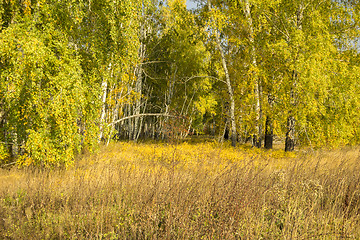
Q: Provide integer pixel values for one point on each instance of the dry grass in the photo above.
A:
(200, 191)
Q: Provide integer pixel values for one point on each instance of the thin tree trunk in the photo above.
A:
(115, 114)
(257, 138)
(139, 81)
(104, 85)
(269, 133)
(104, 89)
(130, 122)
(168, 101)
(213, 124)
(290, 133)
(14, 145)
(138, 103)
(231, 94)
(189, 128)
(142, 119)
(228, 84)
(225, 133)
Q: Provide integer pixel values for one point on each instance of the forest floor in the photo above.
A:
(200, 190)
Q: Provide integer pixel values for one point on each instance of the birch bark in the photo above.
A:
(257, 138)
(290, 134)
(228, 84)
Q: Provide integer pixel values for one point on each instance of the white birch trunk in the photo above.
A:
(228, 84)
(291, 122)
(257, 138)
(104, 86)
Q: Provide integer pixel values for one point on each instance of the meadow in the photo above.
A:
(186, 191)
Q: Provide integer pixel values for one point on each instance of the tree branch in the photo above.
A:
(218, 79)
(6, 165)
(143, 115)
(144, 63)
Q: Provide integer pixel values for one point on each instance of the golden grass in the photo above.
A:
(186, 191)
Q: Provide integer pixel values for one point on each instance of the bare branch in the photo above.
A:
(218, 79)
(144, 63)
(9, 164)
(143, 115)
(277, 28)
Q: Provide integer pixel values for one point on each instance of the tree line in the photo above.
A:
(75, 73)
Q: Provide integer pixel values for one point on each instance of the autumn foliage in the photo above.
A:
(75, 74)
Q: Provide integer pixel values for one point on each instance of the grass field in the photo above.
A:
(186, 191)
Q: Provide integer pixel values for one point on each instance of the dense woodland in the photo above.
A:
(77, 73)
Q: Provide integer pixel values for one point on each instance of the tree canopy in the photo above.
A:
(74, 74)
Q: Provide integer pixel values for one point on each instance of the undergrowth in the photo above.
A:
(186, 191)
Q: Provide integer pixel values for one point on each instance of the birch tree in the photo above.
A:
(40, 80)
(217, 20)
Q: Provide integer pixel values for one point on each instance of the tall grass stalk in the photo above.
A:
(201, 191)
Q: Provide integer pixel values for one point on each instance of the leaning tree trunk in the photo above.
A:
(231, 95)
(228, 84)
